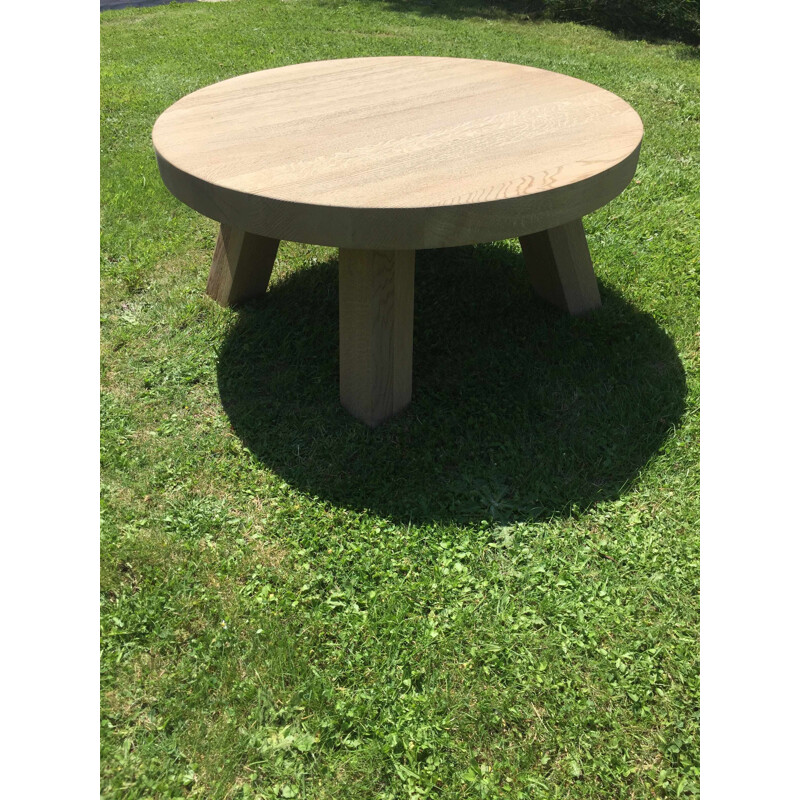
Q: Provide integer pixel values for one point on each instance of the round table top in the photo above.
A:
(398, 152)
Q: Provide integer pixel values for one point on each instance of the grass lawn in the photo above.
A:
(493, 595)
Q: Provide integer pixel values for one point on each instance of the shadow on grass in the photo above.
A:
(518, 411)
(650, 27)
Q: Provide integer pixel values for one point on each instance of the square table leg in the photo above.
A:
(560, 267)
(376, 324)
(241, 267)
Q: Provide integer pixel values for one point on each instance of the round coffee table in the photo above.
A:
(384, 156)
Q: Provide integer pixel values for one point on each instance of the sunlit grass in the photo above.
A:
(495, 594)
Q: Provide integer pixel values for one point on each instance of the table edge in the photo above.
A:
(414, 228)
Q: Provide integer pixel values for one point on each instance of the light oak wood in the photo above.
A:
(560, 267)
(384, 156)
(376, 331)
(398, 152)
(241, 267)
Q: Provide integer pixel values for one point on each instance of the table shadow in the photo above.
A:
(518, 412)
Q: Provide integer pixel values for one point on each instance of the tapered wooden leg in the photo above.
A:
(241, 267)
(376, 327)
(560, 267)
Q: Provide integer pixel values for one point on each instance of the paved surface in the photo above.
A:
(106, 5)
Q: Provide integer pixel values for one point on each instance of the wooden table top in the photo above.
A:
(398, 152)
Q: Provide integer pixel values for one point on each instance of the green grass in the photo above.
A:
(495, 594)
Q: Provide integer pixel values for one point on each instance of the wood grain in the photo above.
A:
(560, 267)
(398, 152)
(241, 267)
(376, 331)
